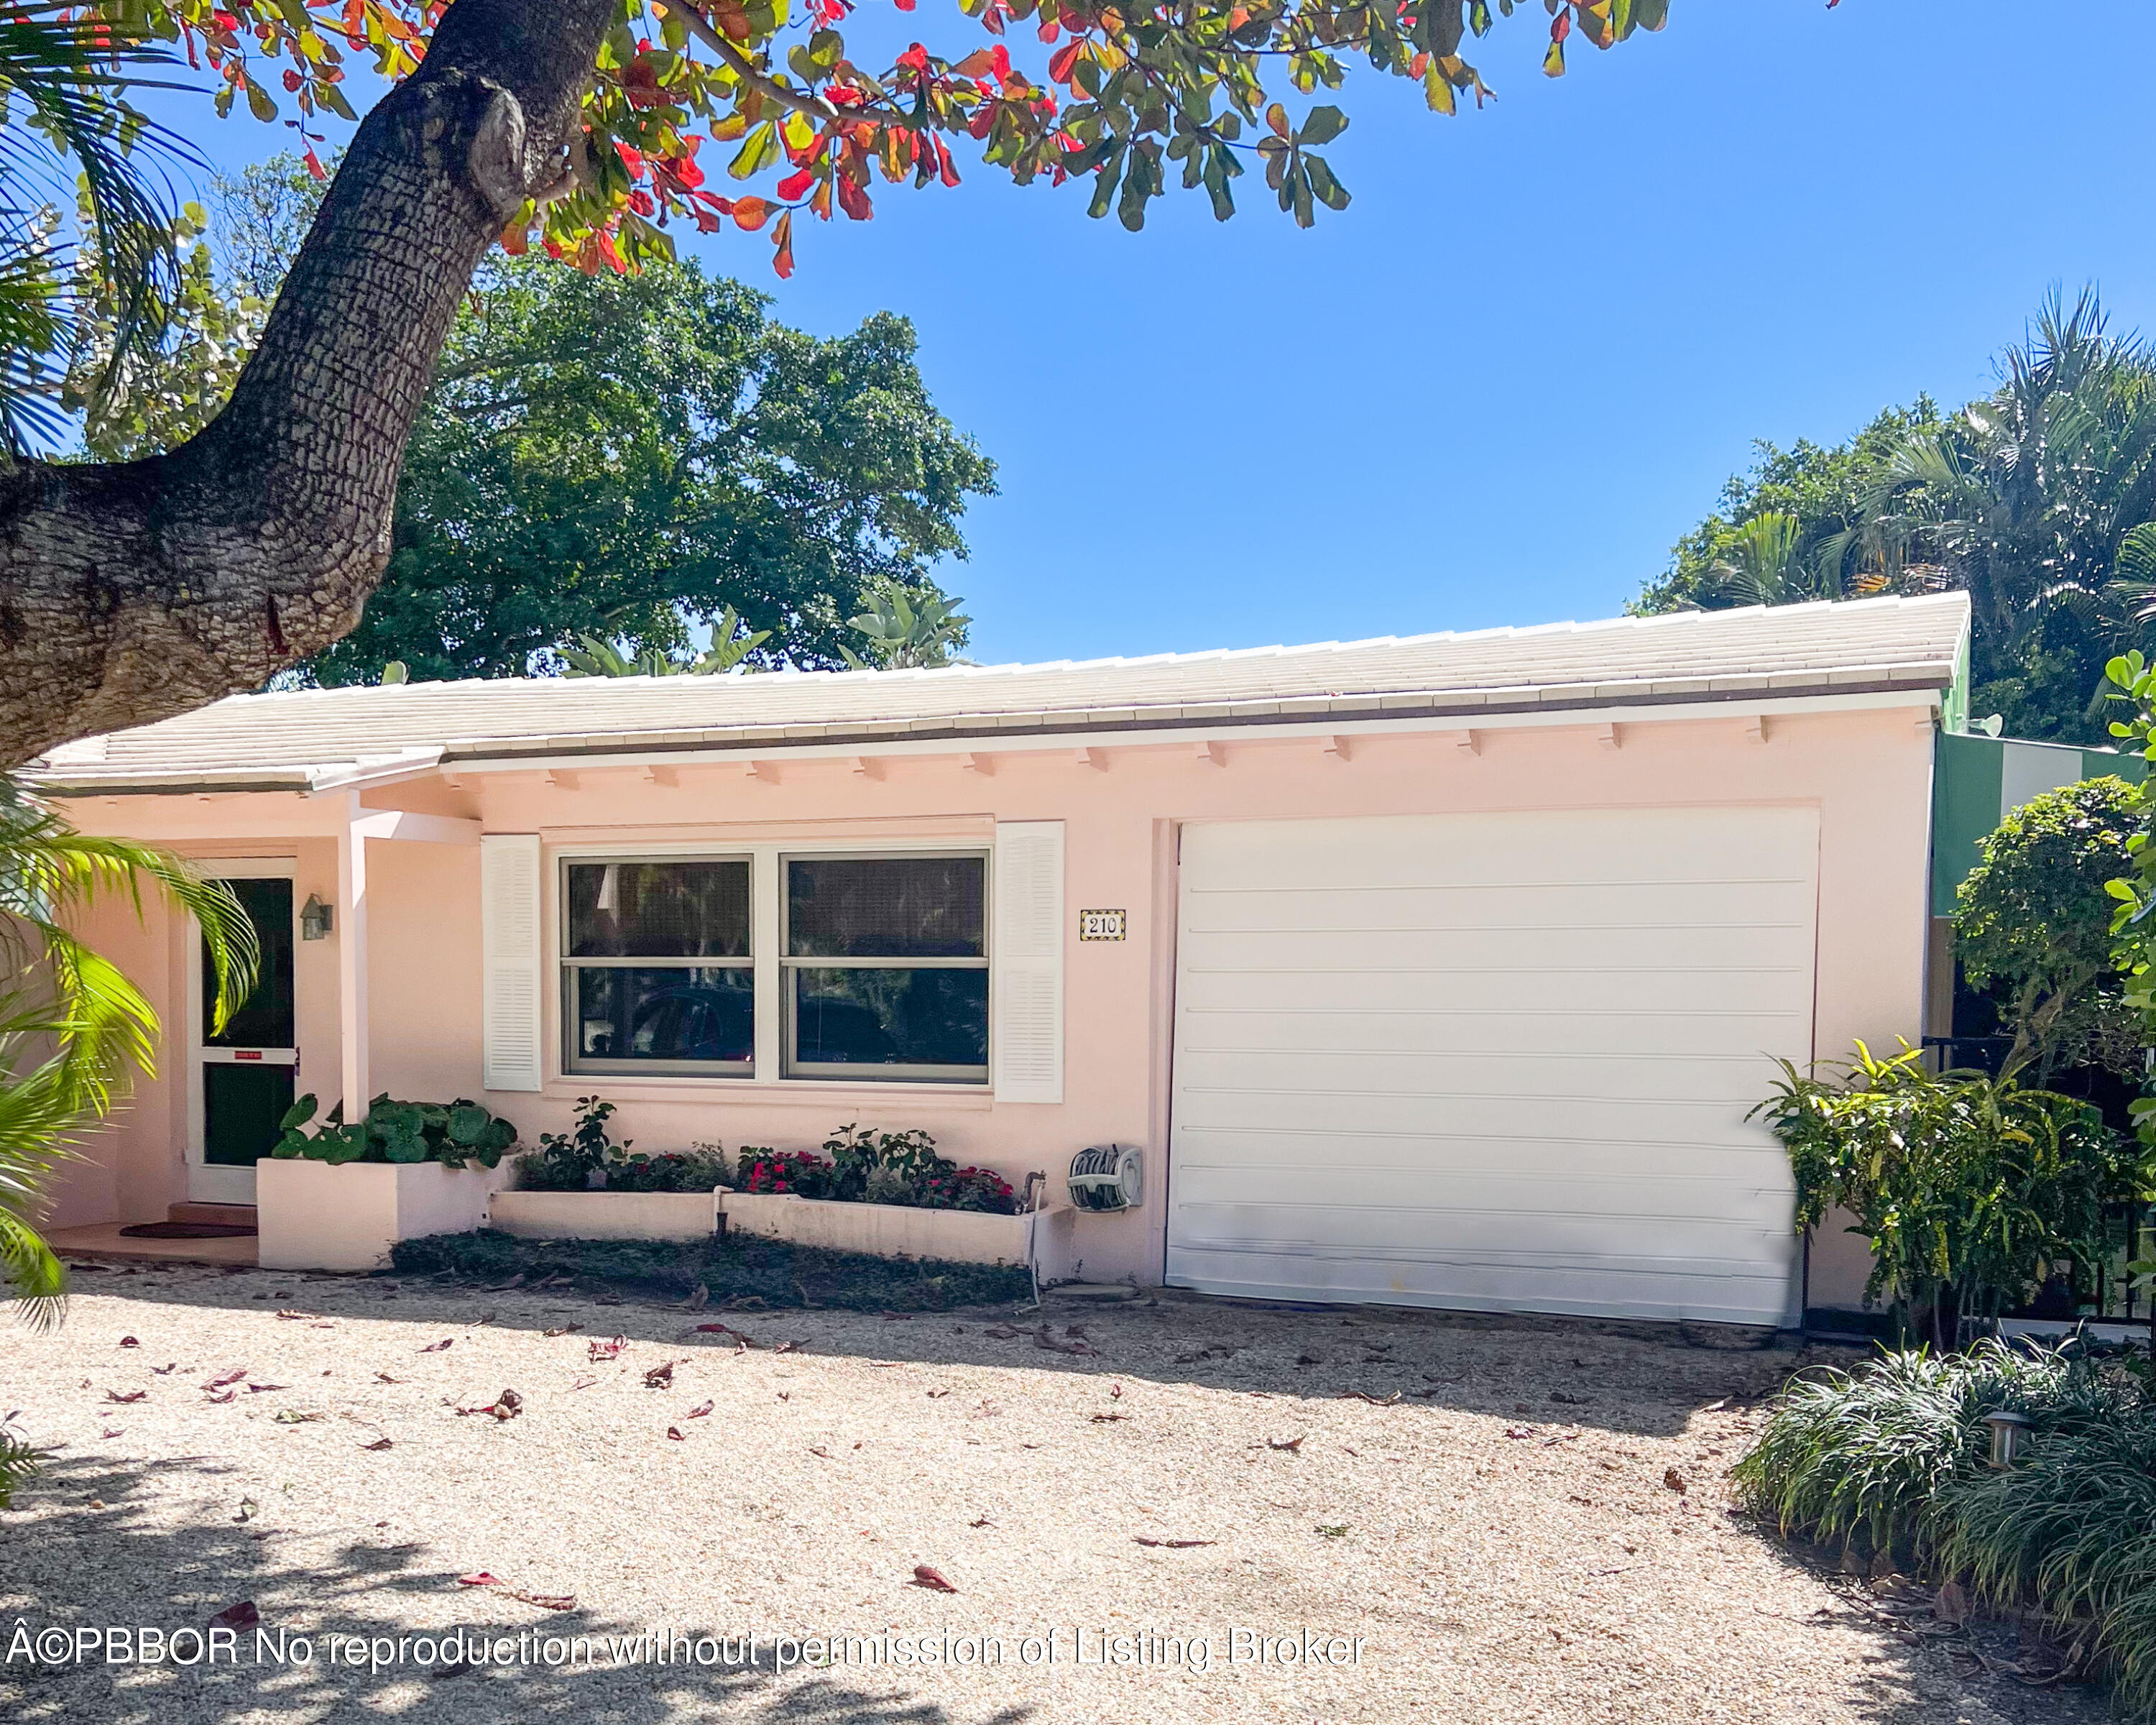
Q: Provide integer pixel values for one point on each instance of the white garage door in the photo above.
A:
(1495, 1062)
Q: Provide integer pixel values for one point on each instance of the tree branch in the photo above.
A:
(132, 591)
(745, 69)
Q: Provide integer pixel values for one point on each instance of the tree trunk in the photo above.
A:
(133, 592)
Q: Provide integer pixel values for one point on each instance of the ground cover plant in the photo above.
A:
(451, 1133)
(734, 1267)
(1893, 1457)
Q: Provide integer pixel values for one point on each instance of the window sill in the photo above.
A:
(824, 1092)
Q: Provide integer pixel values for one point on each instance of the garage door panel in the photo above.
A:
(1496, 1061)
(1614, 989)
(1586, 1079)
(1295, 1030)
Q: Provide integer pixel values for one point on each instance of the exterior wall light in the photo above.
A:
(2009, 1431)
(315, 920)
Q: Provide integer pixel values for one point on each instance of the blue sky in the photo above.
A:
(1525, 358)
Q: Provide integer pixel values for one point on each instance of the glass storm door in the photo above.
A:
(245, 1074)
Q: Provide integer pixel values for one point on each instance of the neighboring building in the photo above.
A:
(1441, 971)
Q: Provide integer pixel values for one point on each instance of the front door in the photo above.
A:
(245, 1075)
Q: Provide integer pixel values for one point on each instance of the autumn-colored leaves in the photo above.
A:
(1124, 94)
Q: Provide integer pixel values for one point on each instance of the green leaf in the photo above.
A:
(1321, 125)
(299, 1114)
(1330, 191)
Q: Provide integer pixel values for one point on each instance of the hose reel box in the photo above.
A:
(1107, 1177)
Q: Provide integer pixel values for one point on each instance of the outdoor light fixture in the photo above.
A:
(2006, 1435)
(314, 920)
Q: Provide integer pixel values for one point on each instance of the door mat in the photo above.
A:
(188, 1230)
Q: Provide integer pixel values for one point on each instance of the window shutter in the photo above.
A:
(1027, 962)
(511, 951)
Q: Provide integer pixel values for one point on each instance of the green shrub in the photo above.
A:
(694, 1170)
(863, 1165)
(565, 1162)
(451, 1133)
(18, 1462)
(1972, 1190)
(1897, 1452)
(775, 1272)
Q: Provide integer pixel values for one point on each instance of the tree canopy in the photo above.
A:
(2038, 499)
(137, 590)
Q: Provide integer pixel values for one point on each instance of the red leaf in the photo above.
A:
(852, 199)
(699, 1411)
(234, 1376)
(379, 1444)
(631, 158)
(675, 1433)
(782, 237)
(792, 186)
(933, 1579)
(242, 1615)
(750, 214)
(131, 1395)
(437, 1347)
(479, 1578)
(128, 1342)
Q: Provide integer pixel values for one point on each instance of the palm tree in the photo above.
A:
(905, 634)
(73, 1028)
(71, 134)
(595, 656)
(1760, 563)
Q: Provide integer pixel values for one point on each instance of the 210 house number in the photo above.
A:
(1103, 925)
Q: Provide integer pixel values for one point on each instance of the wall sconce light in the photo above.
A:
(315, 920)
(2009, 1431)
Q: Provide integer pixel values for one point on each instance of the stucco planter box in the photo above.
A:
(605, 1215)
(319, 1215)
(889, 1230)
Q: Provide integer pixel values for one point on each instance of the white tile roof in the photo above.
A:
(314, 736)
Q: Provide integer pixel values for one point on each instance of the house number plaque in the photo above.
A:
(1103, 925)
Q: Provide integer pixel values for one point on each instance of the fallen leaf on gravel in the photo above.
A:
(602, 1350)
(564, 1330)
(128, 1342)
(787, 1348)
(699, 1300)
(1005, 1333)
(1293, 1444)
(1074, 1329)
(1574, 1497)
(505, 1406)
(1563, 1437)
(258, 1389)
(1175, 1544)
(698, 1412)
(164, 1371)
(234, 1376)
(1115, 1391)
(1519, 1431)
(584, 1383)
(1673, 1479)
(819, 1449)
(384, 1377)
(608, 1300)
(514, 1281)
(1310, 1359)
(116, 1431)
(479, 1578)
(886, 1365)
(675, 1433)
(1715, 1407)
(933, 1579)
(379, 1444)
(1103, 1418)
(249, 1509)
(982, 1523)
(129, 1395)
(242, 1615)
(786, 1395)
(294, 1316)
(1364, 1395)
(1570, 1401)
(660, 1376)
(437, 1347)
(293, 1416)
(545, 1602)
(1950, 1604)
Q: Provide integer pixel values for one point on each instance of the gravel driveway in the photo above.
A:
(1403, 1515)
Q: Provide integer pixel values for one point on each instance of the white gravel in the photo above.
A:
(1505, 1549)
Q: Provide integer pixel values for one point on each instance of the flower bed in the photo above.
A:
(889, 1230)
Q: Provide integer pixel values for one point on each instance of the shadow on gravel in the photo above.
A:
(317, 1597)
(1635, 1380)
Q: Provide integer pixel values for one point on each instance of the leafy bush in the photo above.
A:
(695, 1170)
(2036, 915)
(868, 1167)
(451, 1133)
(1972, 1190)
(18, 1462)
(1896, 1451)
(565, 1162)
(735, 1266)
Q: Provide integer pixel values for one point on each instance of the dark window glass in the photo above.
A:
(671, 1014)
(659, 910)
(243, 1109)
(912, 1018)
(266, 1019)
(892, 907)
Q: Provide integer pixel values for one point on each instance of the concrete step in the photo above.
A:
(236, 1215)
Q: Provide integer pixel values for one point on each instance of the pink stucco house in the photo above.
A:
(1440, 970)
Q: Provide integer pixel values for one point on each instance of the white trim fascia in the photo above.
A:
(1684, 712)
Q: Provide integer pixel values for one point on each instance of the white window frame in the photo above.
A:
(576, 1064)
(767, 937)
(794, 1069)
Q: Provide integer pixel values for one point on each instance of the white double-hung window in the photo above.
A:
(658, 975)
(885, 964)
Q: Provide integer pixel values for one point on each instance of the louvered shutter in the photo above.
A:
(512, 953)
(1027, 962)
